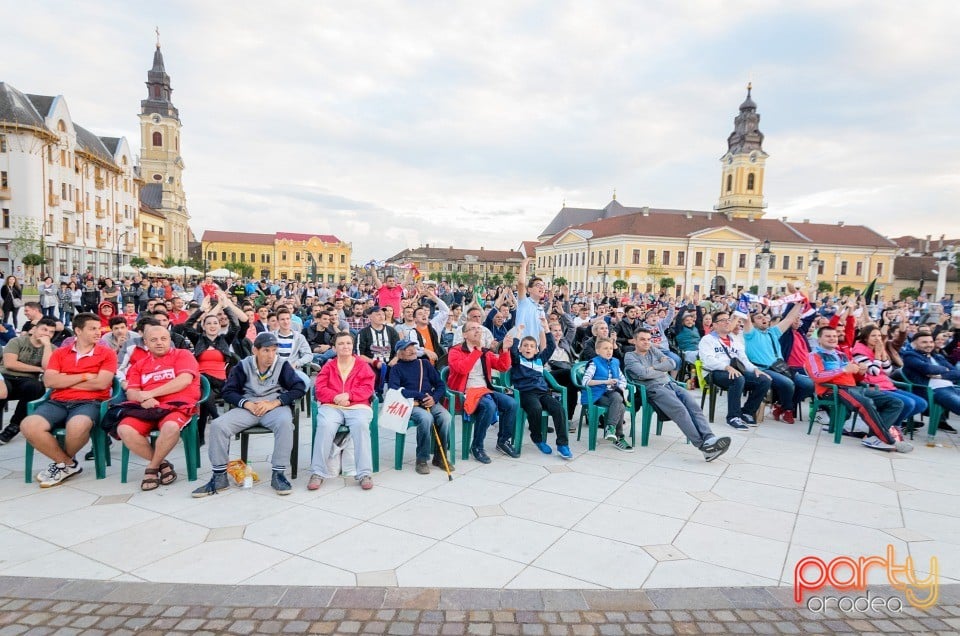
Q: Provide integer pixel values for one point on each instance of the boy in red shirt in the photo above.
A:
(166, 386)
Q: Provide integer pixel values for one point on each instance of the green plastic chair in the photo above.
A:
(189, 435)
(257, 429)
(521, 419)
(934, 411)
(374, 429)
(647, 409)
(98, 437)
(455, 402)
(836, 409)
(593, 412)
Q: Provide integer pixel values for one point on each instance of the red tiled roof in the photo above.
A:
(919, 245)
(912, 267)
(210, 236)
(528, 248)
(454, 254)
(681, 224)
(294, 236)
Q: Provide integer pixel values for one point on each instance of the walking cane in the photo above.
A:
(443, 455)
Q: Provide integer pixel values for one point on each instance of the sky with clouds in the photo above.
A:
(392, 124)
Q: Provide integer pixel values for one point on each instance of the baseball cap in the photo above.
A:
(403, 344)
(265, 339)
(370, 310)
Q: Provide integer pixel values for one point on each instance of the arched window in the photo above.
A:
(729, 182)
(750, 180)
(157, 139)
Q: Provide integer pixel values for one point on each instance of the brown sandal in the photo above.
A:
(167, 474)
(151, 480)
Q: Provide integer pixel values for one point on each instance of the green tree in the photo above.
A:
(509, 277)
(242, 269)
(495, 280)
(847, 290)
(434, 276)
(754, 289)
(169, 261)
(27, 239)
(31, 261)
(667, 283)
(620, 284)
(912, 292)
(559, 281)
(656, 270)
(824, 287)
(138, 261)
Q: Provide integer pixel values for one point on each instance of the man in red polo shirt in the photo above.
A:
(167, 383)
(81, 377)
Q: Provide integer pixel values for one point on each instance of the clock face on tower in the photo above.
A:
(156, 119)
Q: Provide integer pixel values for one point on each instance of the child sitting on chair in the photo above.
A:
(603, 373)
(526, 374)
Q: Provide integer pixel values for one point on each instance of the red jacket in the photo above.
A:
(462, 361)
(359, 384)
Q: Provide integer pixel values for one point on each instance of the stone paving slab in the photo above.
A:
(55, 606)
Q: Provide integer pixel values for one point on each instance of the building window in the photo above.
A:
(343, 259)
(3, 143)
(843, 268)
(636, 257)
(742, 261)
(786, 262)
(681, 258)
(233, 257)
(592, 254)
(698, 259)
(6, 219)
(750, 181)
(721, 259)
(157, 139)
(223, 256)
(616, 256)
(859, 268)
(651, 257)
(729, 182)
(243, 257)
(329, 258)
(296, 256)
(283, 256)
(665, 258)
(211, 256)
(800, 263)
(253, 257)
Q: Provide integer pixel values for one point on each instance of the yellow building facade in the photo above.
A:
(152, 235)
(283, 255)
(721, 250)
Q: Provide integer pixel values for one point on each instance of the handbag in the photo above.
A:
(18, 303)
(779, 365)
(735, 363)
(396, 409)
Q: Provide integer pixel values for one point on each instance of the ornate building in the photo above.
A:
(732, 246)
(475, 265)
(161, 165)
(284, 255)
(64, 191)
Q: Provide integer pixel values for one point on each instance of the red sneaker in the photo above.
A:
(788, 417)
(778, 411)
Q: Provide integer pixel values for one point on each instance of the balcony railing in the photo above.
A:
(69, 237)
(101, 212)
(101, 242)
(79, 205)
(53, 199)
(118, 217)
(154, 255)
(99, 183)
(130, 247)
(5, 192)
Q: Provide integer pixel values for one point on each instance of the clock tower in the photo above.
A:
(741, 182)
(161, 165)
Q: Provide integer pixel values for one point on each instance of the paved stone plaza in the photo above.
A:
(651, 522)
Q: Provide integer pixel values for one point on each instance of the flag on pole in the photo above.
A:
(868, 292)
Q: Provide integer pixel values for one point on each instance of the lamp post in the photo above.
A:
(943, 263)
(815, 264)
(313, 265)
(119, 237)
(765, 261)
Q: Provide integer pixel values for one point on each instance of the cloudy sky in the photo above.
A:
(392, 124)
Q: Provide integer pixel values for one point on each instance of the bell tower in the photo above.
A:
(161, 165)
(742, 167)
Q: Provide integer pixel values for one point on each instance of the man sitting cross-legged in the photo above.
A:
(649, 366)
(262, 387)
(81, 376)
(166, 385)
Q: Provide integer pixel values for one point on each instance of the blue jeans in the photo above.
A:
(913, 405)
(321, 358)
(490, 407)
(949, 398)
(756, 385)
(424, 420)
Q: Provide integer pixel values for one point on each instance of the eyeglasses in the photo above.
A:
(721, 320)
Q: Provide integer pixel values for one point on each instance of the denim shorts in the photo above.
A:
(57, 414)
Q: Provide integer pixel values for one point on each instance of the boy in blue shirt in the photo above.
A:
(526, 374)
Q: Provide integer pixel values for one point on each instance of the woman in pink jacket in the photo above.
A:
(871, 351)
(344, 387)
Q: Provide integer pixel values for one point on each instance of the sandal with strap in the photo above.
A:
(167, 474)
(151, 481)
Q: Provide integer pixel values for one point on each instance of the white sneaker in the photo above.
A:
(874, 442)
(822, 417)
(903, 447)
(57, 473)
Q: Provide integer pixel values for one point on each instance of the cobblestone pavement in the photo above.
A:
(57, 606)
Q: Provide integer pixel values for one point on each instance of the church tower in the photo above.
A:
(161, 165)
(741, 183)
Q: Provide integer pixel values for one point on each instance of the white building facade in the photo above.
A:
(63, 190)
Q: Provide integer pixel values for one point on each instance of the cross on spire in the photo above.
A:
(157, 30)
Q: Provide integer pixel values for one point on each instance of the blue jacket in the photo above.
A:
(602, 369)
(526, 374)
(416, 379)
(918, 367)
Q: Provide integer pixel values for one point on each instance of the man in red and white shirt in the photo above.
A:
(81, 377)
(167, 382)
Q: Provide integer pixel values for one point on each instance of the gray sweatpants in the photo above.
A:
(329, 420)
(224, 428)
(683, 409)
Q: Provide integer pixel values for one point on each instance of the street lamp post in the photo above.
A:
(603, 271)
(765, 261)
(815, 264)
(712, 280)
(313, 266)
(119, 238)
(943, 263)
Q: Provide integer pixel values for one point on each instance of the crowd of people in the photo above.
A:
(261, 346)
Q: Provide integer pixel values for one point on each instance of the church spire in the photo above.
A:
(158, 88)
(743, 165)
(746, 135)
